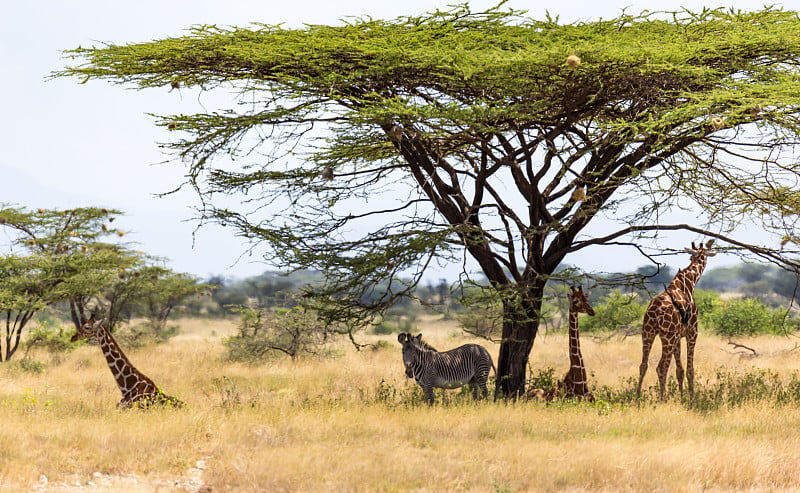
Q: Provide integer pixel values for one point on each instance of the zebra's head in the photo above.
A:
(412, 345)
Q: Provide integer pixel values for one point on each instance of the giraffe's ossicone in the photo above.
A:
(672, 315)
(136, 388)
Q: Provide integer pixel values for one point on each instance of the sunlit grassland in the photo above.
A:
(353, 422)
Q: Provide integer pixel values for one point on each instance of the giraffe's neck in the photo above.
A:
(686, 279)
(126, 375)
(575, 358)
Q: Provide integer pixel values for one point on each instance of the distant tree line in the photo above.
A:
(745, 299)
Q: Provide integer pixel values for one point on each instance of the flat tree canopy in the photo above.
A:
(375, 147)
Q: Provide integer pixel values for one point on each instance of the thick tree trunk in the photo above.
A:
(521, 315)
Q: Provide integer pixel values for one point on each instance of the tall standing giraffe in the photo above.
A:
(574, 383)
(672, 315)
(137, 390)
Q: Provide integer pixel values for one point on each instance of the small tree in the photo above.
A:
(23, 292)
(264, 332)
(162, 290)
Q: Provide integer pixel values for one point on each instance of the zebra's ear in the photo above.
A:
(418, 336)
(402, 337)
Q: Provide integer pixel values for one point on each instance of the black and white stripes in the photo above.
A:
(465, 365)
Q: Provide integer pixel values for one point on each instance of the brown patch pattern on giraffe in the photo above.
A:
(574, 384)
(672, 315)
(137, 390)
(575, 381)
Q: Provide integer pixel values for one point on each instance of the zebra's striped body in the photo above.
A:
(465, 365)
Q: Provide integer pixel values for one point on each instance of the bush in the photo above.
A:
(749, 316)
(53, 341)
(403, 324)
(265, 333)
(617, 310)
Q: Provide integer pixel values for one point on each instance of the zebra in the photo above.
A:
(465, 365)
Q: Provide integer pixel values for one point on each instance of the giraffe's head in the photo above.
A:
(579, 302)
(89, 330)
(702, 251)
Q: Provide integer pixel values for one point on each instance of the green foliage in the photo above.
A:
(391, 326)
(264, 333)
(61, 258)
(725, 389)
(544, 378)
(483, 312)
(617, 310)
(161, 290)
(708, 304)
(54, 341)
(749, 316)
(65, 264)
(28, 365)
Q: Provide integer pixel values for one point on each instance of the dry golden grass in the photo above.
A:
(355, 423)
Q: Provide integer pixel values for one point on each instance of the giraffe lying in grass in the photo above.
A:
(137, 390)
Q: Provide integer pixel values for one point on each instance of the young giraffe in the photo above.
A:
(672, 315)
(574, 383)
(137, 390)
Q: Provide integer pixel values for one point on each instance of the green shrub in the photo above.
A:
(28, 365)
(617, 310)
(749, 316)
(386, 327)
(52, 340)
(266, 333)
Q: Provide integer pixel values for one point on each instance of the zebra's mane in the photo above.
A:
(424, 345)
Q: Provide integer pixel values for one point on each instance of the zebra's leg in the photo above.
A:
(427, 389)
(484, 388)
(479, 388)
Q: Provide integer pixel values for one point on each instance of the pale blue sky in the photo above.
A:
(68, 145)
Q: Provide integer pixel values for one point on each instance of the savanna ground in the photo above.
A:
(355, 423)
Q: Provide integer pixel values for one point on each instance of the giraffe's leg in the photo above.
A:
(667, 350)
(691, 341)
(678, 366)
(648, 336)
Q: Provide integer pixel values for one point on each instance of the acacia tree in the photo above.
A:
(372, 148)
(163, 291)
(78, 263)
(23, 293)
